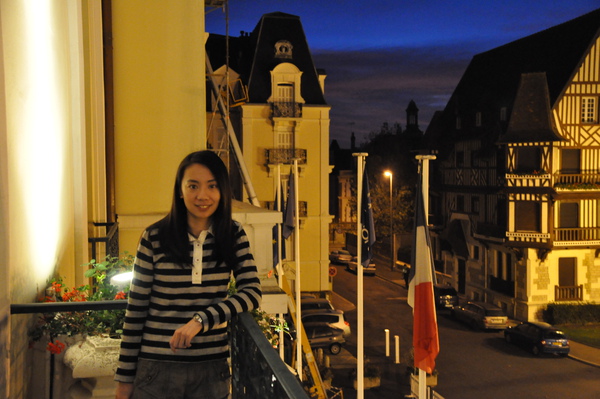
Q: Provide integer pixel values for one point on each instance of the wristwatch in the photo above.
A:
(197, 318)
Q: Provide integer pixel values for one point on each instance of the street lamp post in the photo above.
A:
(390, 176)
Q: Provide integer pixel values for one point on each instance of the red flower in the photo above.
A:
(55, 348)
(56, 287)
(74, 296)
(120, 295)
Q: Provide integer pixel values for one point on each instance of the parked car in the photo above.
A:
(480, 315)
(539, 337)
(323, 335)
(445, 297)
(342, 257)
(366, 270)
(334, 317)
(315, 303)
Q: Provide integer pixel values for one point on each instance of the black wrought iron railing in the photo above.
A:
(285, 156)
(258, 371)
(286, 109)
(110, 240)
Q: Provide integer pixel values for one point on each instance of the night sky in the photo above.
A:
(380, 54)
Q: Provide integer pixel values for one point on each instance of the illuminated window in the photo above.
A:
(589, 109)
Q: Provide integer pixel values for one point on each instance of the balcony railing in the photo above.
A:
(286, 109)
(577, 234)
(577, 181)
(529, 179)
(568, 293)
(257, 369)
(110, 240)
(285, 156)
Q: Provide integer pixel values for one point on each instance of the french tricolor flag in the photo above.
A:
(426, 343)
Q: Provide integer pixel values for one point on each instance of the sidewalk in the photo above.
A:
(583, 353)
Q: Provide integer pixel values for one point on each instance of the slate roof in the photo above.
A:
(253, 56)
(531, 119)
(492, 78)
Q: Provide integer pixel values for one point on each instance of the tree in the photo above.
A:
(388, 149)
(401, 210)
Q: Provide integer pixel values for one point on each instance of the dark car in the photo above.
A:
(342, 257)
(538, 337)
(480, 315)
(323, 335)
(446, 297)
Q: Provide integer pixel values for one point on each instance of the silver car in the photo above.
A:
(333, 317)
(370, 270)
(342, 257)
(322, 335)
(480, 315)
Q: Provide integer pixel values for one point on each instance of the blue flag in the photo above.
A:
(278, 207)
(368, 226)
(289, 222)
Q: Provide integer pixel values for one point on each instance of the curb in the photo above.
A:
(576, 358)
(588, 362)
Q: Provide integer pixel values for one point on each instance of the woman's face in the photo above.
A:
(201, 196)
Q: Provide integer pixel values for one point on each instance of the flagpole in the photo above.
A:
(297, 258)
(360, 358)
(279, 207)
(424, 169)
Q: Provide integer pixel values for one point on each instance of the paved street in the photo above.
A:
(472, 364)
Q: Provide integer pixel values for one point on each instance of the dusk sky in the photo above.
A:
(380, 54)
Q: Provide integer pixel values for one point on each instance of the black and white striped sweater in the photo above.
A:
(162, 298)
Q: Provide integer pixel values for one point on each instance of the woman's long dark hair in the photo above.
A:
(173, 228)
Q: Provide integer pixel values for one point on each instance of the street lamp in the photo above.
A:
(389, 175)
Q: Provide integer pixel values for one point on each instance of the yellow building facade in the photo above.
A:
(283, 116)
(54, 175)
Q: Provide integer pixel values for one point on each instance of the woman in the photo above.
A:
(175, 333)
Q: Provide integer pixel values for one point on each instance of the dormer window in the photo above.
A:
(285, 95)
(283, 49)
(503, 114)
(458, 125)
(478, 119)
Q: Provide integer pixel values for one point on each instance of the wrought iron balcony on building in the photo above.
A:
(285, 156)
(286, 109)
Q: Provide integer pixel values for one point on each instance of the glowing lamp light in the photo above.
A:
(122, 279)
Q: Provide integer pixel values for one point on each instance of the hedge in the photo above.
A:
(572, 313)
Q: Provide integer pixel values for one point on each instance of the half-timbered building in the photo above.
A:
(516, 200)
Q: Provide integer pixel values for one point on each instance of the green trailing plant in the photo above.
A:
(271, 326)
(93, 322)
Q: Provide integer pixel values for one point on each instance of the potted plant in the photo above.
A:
(372, 376)
(57, 326)
(431, 379)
